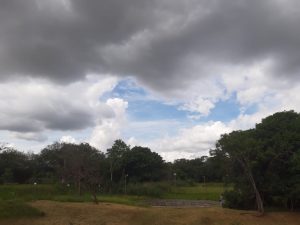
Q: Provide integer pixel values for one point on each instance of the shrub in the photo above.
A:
(238, 200)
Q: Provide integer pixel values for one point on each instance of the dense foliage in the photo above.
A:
(264, 163)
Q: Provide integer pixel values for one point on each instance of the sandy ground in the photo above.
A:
(58, 213)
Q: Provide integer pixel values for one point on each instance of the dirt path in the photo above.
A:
(179, 203)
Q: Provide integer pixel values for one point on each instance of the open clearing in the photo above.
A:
(61, 213)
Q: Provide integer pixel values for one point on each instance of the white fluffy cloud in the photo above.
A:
(190, 142)
(67, 139)
(199, 105)
(108, 130)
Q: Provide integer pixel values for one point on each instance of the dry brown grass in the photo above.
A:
(58, 213)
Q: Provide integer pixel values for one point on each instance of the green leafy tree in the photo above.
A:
(143, 165)
(50, 163)
(279, 137)
(241, 147)
(268, 157)
(115, 156)
(16, 163)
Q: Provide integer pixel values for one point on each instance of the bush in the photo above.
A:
(237, 200)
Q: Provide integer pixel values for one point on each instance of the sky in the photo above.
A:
(172, 75)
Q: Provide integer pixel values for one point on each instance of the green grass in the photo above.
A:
(209, 191)
(17, 209)
(150, 189)
(71, 198)
(28, 192)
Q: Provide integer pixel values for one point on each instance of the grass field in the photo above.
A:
(14, 198)
(24, 205)
(62, 213)
(29, 192)
(210, 191)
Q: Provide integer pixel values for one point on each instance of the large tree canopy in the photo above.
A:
(264, 160)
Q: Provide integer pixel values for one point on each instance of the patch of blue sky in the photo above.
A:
(150, 130)
(126, 89)
(149, 118)
(154, 110)
(141, 105)
(224, 110)
(229, 109)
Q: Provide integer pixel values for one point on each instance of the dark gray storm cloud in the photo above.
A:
(33, 115)
(163, 43)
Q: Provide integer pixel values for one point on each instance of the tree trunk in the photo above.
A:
(95, 197)
(258, 199)
(79, 186)
(111, 177)
(291, 205)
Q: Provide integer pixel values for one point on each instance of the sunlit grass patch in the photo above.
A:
(209, 191)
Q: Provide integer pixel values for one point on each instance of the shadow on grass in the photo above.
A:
(18, 209)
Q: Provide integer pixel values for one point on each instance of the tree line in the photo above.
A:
(262, 164)
(85, 167)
